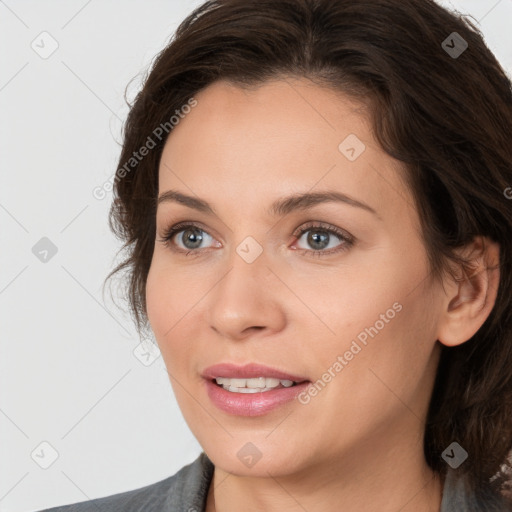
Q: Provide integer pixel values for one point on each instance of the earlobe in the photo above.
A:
(471, 297)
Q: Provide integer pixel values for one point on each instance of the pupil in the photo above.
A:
(314, 239)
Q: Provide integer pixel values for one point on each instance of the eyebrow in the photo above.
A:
(280, 207)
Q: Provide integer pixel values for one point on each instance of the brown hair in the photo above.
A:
(448, 117)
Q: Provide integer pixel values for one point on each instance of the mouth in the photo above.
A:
(252, 389)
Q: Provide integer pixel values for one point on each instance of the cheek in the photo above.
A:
(170, 294)
(387, 357)
(169, 315)
(163, 307)
(173, 297)
(155, 299)
(384, 320)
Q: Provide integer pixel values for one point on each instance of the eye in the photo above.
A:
(320, 238)
(191, 238)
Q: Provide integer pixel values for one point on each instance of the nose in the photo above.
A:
(247, 300)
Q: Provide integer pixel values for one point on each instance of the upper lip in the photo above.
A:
(248, 371)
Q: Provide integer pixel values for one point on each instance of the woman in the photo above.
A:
(322, 248)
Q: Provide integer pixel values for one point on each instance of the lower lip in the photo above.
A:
(252, 404)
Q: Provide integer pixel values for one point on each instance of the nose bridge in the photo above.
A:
(247, 269)
(250, 250)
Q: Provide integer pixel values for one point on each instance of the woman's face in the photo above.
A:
(348, 306)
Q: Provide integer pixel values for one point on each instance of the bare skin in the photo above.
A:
(357, 444)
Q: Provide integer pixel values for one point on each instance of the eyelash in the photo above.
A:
(348, 240)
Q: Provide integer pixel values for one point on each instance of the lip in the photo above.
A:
(250, 404)
(248, 371)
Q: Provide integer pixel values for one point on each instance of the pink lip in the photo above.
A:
(250, 404)
(247, 371)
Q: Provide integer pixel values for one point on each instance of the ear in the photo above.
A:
(470, 298)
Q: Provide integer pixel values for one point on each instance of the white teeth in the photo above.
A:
(272, 383)
(236, 383)
(256, 383)
(244, 390)
(253, 385)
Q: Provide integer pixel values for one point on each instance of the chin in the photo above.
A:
(248, 456)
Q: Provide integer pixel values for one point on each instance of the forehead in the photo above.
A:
(287, 103)
(280, 137)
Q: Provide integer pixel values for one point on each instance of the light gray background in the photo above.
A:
(69, 374)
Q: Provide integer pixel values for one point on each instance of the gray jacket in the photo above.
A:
(186, 491)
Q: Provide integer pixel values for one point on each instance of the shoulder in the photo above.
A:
(457, 497)
(187, 489)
